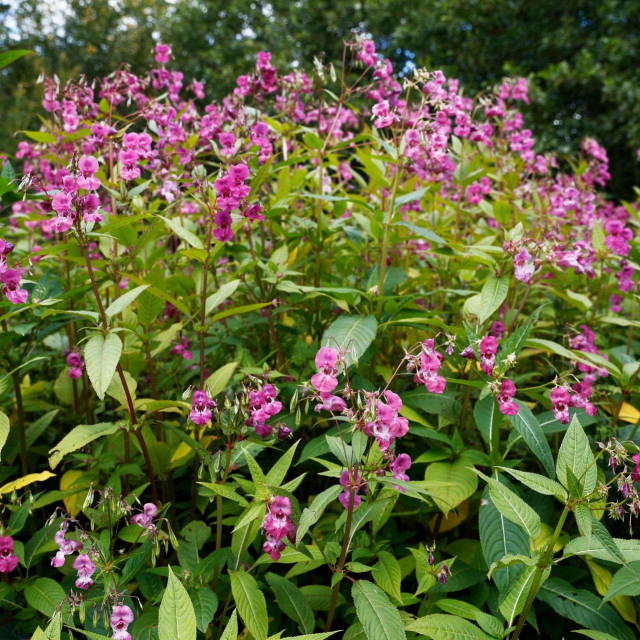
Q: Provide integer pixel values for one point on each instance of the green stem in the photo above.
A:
(341, 561)
(544, 561)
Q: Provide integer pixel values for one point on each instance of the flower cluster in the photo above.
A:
(326, 379)
(277, 525)
(182, 349)
(387, 424)
(201, 406)
(505, 398)
(10, 279)
(563, 398)
(262, 407)
(353, 483)
(488, 348)
(76, 365)
(232, 190)
(428, 366)
(398, 466)
(65, 546)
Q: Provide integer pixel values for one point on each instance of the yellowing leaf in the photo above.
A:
(628, 413)
(25, 480)
(454, 519)
(72, 480)
(601, 579)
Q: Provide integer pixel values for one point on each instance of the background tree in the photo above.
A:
(581, 55)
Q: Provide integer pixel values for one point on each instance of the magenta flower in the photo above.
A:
(145, 518)
(523, 266)
(201, 405)
(560, 401)
(87, 167)
(182, 349)
(351, 482)
(85, 568)
(65, 547)
(11, 289)
(488, 348)
(8, 559)
(326, 379)
(505, 398)
(383, 116)
(277, 525)
(263, 406)
(430, 362)
(74, 360)
(163, 51)
(331, 403)
(635, 474)
(398, 468)
(121, 617)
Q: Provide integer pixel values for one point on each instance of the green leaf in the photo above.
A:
(217, 382)
(182, 233)
(488, 623)
(584, 608)
(388, 575)
(598, 238)
(538, 483)
(625, 582)
(231, 630)
(277, 473)
(101, 354)
(40, 136)
(291, 601)
(380, 619)
(630, 549)
(575, 487)
(584, 518)
(312, 514)
(44, 595)
(526, 424)
(217, 298)
(4, 430)
(54, 628)
(79, 437)
(177, 618)
(440, 626)
(225, 491)
(8, 57)
(605, 539)
(575, 454)
(363, 514)
(595, 635)
(135, 563)
(205, 603)
(513, 600)
(121, 303)
(352, 334)
(487, 417)
(251, 603)
(493, 294)
(513, 507)
(462, 483)
(422, 231)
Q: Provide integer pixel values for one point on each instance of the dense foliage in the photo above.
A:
(581, 57)
(334, 355)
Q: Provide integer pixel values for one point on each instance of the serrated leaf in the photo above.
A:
(176, 618)
(630, 549)
(538, 483)
(487, 417)
(575, 454)
(493, 294)
(462, 483)
(217, 298)
(291, 601)
(583, 607)
(388, 575)
(625, 582)
(182, 233)
(441, 626)
(575, 488)
(526, 424)
(121, 303)
(79, 437)
(205, 603)
(352, 334)
(231, 630)
(44, 595)
(312, 514)
(251, 603)
(583, 518)
(607, 542)
(488, 623)
(101, 354)
(513, 507)
(512, 602)
(380, 619)
(225, 491)
(277, 473)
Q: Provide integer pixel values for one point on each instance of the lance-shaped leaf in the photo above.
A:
(79, 437)
(380, 619)
(251, 603)
(177, 618)
(101, 354)
(575, 454)
(526, 424)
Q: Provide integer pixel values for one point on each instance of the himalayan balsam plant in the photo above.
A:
(341, 355)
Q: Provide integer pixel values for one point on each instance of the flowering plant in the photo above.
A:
(259, 354)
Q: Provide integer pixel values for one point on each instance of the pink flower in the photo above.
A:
(523, 266)
(384, 117)
(11, 289)
(351, 482)
(505, 398)
(163, 51)
(65, 547)
(8, 559)
(326, 379)
(85, 568)
(88, 166)
(635, 474)
(277, 525)
(74, 360)
(201, 406)
(145, 518)
(430, 362)
(488, 348)
(331, 403)
(181, 349)
(121, 617)
(560, 401)
(398, 468)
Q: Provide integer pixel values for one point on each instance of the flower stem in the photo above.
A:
(544, 561)
(343, 557)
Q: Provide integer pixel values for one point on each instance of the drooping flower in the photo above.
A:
(263, 406)
(488, 348)
(351, 482)
(85, 568)
(326, 379)
(201, 405)
(388, 424)
(331, 403)
(162, 53)
(121, 617)
(398, 467)
(74, 360)
(65, 546)
(182, 349)
(560, 401)
(8, 559)
(145, 518)
(523, 266)
(505, 398)
(11, 286)
(430, 362)
(277, 525)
